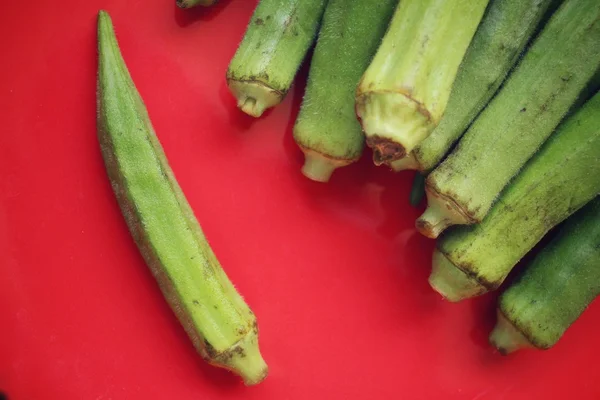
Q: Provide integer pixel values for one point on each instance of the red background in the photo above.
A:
(336, 273)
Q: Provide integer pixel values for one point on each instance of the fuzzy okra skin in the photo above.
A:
(506, 27)
(532, 102)
(218, 321)
(562, 280)
(277, 38)
(194, 3)
(327, 130)
(562, 177)
(403, 93)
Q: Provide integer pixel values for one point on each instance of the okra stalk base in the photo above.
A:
(407, 162)
(441, 213)
(452, 282)
(393, 123)
(243, 358)
(318, 167)
(254, 97)
(506, 337)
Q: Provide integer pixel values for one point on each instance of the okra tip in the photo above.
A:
(506, 337)
(450, 281)
(104, 20)
(319, 167)
(253, 97)
(440, 214)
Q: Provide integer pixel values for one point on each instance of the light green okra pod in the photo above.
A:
(220, 324)
(404, 91)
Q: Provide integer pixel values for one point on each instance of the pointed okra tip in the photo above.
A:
(506, 337)
(104, 20)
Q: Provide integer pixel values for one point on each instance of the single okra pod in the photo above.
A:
(218, 321)
(404, 91)
(327, 130)
(275, 43)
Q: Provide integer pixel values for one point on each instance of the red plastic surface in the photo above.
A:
(336, 273)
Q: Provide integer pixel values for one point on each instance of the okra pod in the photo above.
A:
(404, 91)
(218, 321)
(275, 43)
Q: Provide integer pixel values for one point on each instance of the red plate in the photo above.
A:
(336, 273)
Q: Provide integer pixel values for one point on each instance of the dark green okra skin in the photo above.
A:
(218, 321)
(327, 129)
(532, 102)
(562, 177)
(276, 41)
(556, 288)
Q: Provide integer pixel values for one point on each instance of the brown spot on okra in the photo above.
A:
(259, 21)
(210, 350)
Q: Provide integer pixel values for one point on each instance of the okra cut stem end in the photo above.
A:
(393, 123)
(440, 214)
(450, 281)
(253, 97)
(245, 360)
(319, 167)
(409, 162)
(506, 337)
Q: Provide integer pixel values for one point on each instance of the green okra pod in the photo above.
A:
(403, 93)
(327, 130)
(277, 39)
(218, 321)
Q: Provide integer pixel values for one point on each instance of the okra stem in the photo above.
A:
(506, 337)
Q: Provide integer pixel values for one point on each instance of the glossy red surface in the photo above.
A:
(336, 273)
